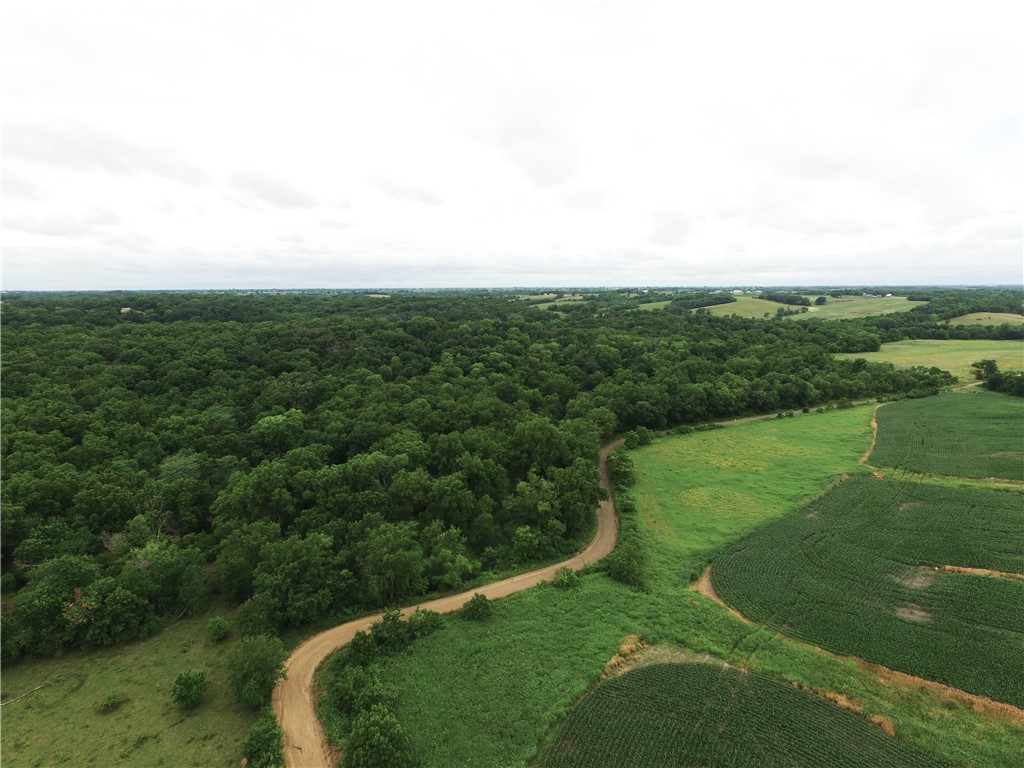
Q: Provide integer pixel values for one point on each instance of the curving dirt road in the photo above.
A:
(305, 745)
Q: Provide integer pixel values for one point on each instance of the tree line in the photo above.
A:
(315, 455)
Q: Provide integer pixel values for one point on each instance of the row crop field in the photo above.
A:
(980, 434)
(704, 714)
(856, 573)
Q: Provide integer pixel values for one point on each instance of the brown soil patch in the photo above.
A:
(917, 578)
(884, 723)
(982, 572)
(913, 613)
(632, 645)
(839, 699)
(704, 587)
(878, 475)
(874, 435)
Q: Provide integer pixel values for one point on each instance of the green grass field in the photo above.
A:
(954, 356)
(858, 306)
(486, 694)
(976, 434)
(59, 724)
(855, 573)
(653, 305)
(988, 318)
(835, 309)
(703, 714)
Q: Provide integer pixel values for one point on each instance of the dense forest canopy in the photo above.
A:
(314, 454)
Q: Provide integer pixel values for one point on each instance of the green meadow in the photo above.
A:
(988, 318)
(951, 355)
(52, 707)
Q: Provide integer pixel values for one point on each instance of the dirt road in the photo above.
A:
(304, 743)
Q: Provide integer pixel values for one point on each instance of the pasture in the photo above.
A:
(975, 434)
(61, 723)
(845, 307)
(704, 714)
(951, 355)
(988, 318)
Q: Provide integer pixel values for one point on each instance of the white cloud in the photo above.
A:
(542, 143)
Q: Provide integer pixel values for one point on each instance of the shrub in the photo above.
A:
(254, 667)
(627, 564)
(566, 578)
(389, 632)
(264, 748)
(377, 741)
(423, 622)
(477, 608)
(112, 702)
(217, 629)
(188, 688)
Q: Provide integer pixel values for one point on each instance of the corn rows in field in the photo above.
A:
(856, 572)
(702, 714)
(980, 434)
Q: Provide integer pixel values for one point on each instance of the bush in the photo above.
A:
(566, 578)
(254, 667)
(188, 688)
(112, 702)
(477, 608)
(377, 741)
(217, 629)
(627, 564)
(389, 632)
(264, 748)
(423, 622)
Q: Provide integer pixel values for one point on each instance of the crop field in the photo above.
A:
(988, 318)
(951, 355)
(704, 714)
(855, 572)
(976, 434)
(484, 694)
(698, 494)
(146, 729)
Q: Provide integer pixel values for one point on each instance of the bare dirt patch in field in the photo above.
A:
(916, 578)
(913, 613)
(982, 572)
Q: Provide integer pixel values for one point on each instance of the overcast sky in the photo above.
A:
(223, 144)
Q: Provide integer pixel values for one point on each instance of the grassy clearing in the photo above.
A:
(953, 355)
(704, 714)
(485, 694)
(746, 306)
(60, 724)
(988, 318)
(980, 434)
(653, 305)
(858, 306)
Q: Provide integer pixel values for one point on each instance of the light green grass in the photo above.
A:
(746, 306)
(486, 694)
(698, 494)
(857, 306)
(835, 309)
(988, 318)
(951, 355)
(653, 305)
(59, 723)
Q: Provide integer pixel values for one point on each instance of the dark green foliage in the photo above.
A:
(792, 299)
(111, 703)
(701, 714)
(477, 608)
(566, 578)
(389, 632)
(820, 300)
(377, 740)
(971, 435)
(217, 629)
(187, 690)
(264, 747)
(333, 452)
(628, 563)
(857, 573)
(621, 471)
(254, 667)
